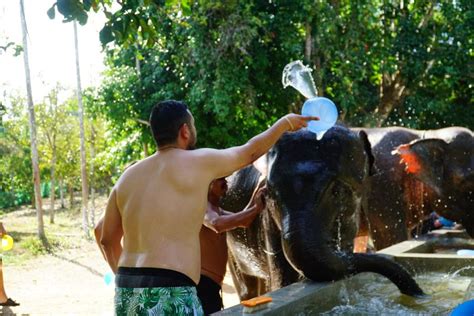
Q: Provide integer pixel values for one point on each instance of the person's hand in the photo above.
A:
(296, 121)
(259, 198)
(2, 230)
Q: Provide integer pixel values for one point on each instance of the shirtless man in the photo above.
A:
(158, 205)
(213, 241)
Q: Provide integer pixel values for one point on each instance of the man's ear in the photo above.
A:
(185, 131)
(425, 160)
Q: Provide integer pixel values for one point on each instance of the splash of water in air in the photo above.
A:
(298, 76)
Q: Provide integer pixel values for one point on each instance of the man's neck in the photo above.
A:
(166, 148)
(171, 146)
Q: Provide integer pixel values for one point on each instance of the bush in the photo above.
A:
(34, 246)
(7, 200)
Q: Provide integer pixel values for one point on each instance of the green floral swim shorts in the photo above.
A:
(181, 300)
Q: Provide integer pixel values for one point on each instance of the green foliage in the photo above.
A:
(15, 162)
(34, 246)
(133, 18)
(383, 63)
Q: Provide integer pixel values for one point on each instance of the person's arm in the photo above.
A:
(229, 221)
(98, 234)
(224, 162)
(112, 232)
(2, 230)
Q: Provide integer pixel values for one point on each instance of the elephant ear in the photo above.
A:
(368, 150)
(424, 159)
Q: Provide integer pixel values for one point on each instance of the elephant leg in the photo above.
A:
(247, 286)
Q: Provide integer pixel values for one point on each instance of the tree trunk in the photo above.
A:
(308, 43)
(392, 94)
(85, 191)
(71, 196)
(316, 58)
(92, 210)
(145, 149)
(53, 181)
(61, 193)
(32, 121)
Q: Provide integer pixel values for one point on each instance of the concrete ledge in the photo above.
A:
(286, 301)
(419, 255)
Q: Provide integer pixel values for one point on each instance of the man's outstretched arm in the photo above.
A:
(224, 162)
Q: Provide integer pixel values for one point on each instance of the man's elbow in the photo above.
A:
(217, 226)
(98, 234)
(106, 241)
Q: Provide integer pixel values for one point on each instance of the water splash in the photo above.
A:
(456, 273)
(373, 294)
(339, 235)
(298, 76)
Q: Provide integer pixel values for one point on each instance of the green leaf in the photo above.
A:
(106, 36)
(82, 17)
(87, 4)
(66, 7)
(186, 7)
(51, 12)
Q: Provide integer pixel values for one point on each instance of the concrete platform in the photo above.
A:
(435, 252)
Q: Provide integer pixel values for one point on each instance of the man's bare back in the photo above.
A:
(154, 197)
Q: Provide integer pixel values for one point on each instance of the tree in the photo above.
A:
(15, 155)
(32, 123)
(52, 117)
(382, 62)
(85, 190)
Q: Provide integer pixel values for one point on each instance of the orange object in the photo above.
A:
(411, 161)
(259, 300)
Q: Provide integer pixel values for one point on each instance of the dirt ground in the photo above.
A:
(69, 283)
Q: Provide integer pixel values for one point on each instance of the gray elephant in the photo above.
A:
(417, 172)
(315, 192)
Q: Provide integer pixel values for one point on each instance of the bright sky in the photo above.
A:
(51, 49)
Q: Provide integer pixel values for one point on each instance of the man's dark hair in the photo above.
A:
(166, 118)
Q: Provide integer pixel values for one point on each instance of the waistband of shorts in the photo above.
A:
(151, 277)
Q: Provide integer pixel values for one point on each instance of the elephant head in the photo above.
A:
(315, 193)
(447, 167)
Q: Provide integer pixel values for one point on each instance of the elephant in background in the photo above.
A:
(315, 192)
(416, 173)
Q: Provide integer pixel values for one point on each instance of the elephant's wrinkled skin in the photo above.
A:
(417, 172)
(315, 190)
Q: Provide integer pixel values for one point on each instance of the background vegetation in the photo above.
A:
(384, 63)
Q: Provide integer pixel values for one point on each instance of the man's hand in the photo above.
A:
(259, 198)
(296, 121)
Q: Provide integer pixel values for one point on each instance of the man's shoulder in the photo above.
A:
(133, 168)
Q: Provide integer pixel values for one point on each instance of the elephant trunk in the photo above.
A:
(308, 248)
(385, 266)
